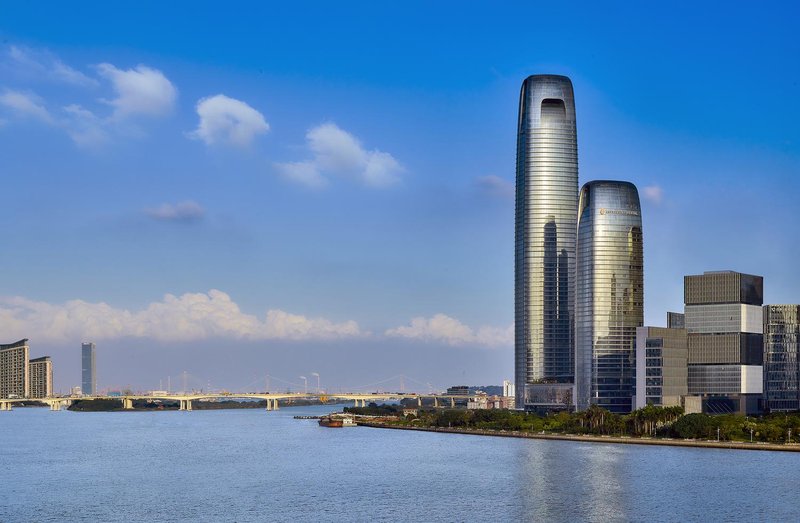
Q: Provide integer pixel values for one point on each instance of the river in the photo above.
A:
(252, 465)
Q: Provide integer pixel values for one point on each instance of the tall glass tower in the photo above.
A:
(544, 257)
(88, 373)
(609, 302)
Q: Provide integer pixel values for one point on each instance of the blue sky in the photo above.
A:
(350, 167)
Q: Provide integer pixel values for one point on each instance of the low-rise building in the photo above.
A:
(661, 366)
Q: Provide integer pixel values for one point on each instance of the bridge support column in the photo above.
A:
(55, 406)
(127, 403)
(275, 405)
(181, 404)
(189, 405)
(419, 401)
(269, 404)
(452, 403)
(5, 405)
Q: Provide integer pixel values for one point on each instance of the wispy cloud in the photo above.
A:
(191, 316)
(26, 105)
(495, 186)
(42, 64)
(337, 152)
(227, 120)
(653, 193)
(445, 329)
(187, 211)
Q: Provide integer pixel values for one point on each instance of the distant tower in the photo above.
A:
(609, 303)
(88, 370)
(544, 244)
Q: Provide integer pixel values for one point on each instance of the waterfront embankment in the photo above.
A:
(582, 438)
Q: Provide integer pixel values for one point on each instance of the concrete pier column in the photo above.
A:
(275, 405)
(419, 401)
(188, 404)
(269, 403)
(181, 405)
(127, 403)
(452, 403)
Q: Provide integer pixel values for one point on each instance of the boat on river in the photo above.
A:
(337, 421)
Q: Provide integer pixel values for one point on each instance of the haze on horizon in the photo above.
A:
(285, 190)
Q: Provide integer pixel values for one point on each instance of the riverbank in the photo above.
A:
(737, 445)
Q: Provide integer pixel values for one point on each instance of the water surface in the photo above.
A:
(253, 465)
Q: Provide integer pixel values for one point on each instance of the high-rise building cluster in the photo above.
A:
(580, 338)
(21, 377)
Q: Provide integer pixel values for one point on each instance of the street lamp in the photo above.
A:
(305, 384)
(317, 375)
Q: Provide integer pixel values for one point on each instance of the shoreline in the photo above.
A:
(734, 445)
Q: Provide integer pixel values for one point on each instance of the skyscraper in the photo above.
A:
(609, 303)
(544, 245)
(88, 375)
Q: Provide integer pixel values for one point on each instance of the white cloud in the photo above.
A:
(26, 105)
(186, 211)
(305, 173)
(227, 120)
(84, 127)
(495, 186)
(192, 316)
(335, 151)
(653, 193)
(141, 90)
(444, 329)
(44, 64)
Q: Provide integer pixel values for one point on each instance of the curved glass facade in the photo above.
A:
(545, 222)
(609, 303)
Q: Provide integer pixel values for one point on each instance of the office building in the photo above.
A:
(661, 366)
(544, 245)
(724, 325)
(14, 380)
(88, 371)
(676, 320)
(458, 390)
(609, 303)
(40, 371)
(781, 362)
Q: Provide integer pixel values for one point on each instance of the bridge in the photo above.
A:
(185, 399)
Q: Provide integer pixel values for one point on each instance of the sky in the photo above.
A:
(253, 192)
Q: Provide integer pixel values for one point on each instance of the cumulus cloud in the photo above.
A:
(26, 105)
(43, 64)
(337, 152)
(495, 186)
(187, 211)
(444, 329)
(227, 120)
(141, 90)
(653, 193)
(191, 316)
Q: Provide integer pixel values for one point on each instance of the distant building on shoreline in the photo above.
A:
(41, 377)
(88, 370)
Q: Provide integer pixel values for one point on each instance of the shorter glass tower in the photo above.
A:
(609, 303)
